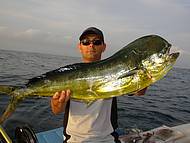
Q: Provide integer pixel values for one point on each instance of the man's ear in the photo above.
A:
(104, 47)
(79, 46)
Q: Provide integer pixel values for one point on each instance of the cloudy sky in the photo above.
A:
(53, 26)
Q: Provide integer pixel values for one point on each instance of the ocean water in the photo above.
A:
(166, 102)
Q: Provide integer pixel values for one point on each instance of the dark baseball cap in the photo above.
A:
(92, 30)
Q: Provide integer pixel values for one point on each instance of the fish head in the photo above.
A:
(146, 47)
(149, 53)
(153, 44)
(160, 60)
(145, 61)
(141, 49)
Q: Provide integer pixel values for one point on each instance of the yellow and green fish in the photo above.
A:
(134, 67)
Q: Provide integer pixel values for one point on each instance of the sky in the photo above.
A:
(53, 26)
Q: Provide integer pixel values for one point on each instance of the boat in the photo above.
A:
(163, 134)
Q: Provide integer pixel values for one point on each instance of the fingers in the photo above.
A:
(56, 95)
(68, 93)
(59, 100)
(141, 92)
(62, 96)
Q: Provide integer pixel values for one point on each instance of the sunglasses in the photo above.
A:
(87, 42)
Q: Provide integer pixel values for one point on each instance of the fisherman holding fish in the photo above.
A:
(97, 122)
(96, 83)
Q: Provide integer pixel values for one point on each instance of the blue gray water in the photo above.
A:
(166, 102)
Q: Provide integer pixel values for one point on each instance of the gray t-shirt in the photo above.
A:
(89, 124)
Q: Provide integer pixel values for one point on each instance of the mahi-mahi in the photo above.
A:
(134, 67)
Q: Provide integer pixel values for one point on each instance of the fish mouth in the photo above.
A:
(172, 50)
(174, 56)
(169, 55)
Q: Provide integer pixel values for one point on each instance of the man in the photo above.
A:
(94, 123)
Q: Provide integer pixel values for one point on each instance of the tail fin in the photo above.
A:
(13, 102)
(10, 109)
(7, 89)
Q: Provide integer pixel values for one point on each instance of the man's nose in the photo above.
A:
(92, 45)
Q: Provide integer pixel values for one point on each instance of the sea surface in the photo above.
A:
(167, 102)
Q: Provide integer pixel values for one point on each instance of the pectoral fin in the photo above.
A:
(130, 73)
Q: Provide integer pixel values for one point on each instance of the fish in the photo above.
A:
(133, 68)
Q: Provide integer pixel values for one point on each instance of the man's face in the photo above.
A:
(91, 48)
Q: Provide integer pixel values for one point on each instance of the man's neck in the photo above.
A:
(90, 60)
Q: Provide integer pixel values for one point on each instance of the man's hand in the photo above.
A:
(141, 92)
(59, 101)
